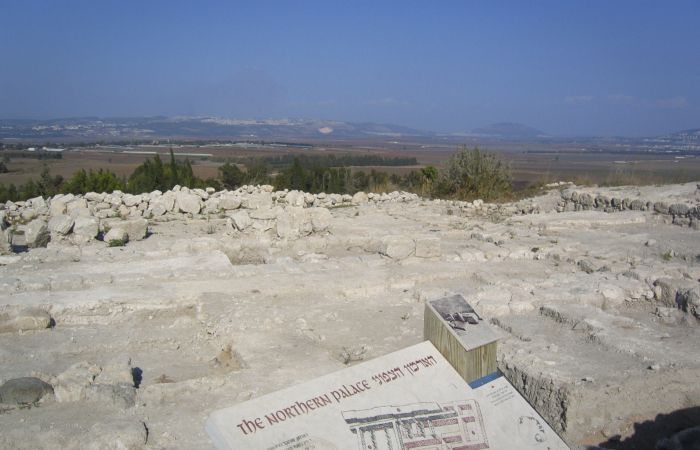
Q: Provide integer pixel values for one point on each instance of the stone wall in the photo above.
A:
(683, 214)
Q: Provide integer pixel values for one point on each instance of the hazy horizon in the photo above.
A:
(590, 69)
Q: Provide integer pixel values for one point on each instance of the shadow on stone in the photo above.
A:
(648, 433)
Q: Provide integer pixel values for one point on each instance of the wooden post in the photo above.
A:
(461, 336)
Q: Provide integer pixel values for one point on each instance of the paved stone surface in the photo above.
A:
(597, 311)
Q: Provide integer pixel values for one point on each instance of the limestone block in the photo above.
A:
(679, 209)
(132, 200)
(167, 200)
(359, 198)
(116, 234)
(106, 213)
(201, 193)
(86, 226)
(262, 200)
(189, 203)
(136, 228)
(671, 290)
(57, 207)
(690, 300)
(321, 219)
(37, 202)
(397, 246)
(117, 435)
(32, 319)
(241, 220)
(101, 206)
(229, 202)
(113, 199)
(24, 391)
(81, 212)
(29, 214)
(590, 265)
(71, 385)
(159, 210)
(612, 295)
(212, 204)
(295, 198)
(37, 234)
(427, 247)
(78, 203)
(94, 197)
(121, 395)
(294, 222)
(118, 370)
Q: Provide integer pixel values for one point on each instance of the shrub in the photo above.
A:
(117, 243)
(472, 174)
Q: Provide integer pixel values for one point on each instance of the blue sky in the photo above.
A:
(623, 68)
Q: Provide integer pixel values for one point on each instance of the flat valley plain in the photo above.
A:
(584, 161)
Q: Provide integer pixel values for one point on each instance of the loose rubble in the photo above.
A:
(126, 319)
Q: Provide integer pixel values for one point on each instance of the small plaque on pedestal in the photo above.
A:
(461, 336)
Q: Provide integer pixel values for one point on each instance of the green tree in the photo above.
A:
(174, 176)
(231, 176)
(472, 174)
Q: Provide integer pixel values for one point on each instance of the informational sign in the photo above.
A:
(409, 400)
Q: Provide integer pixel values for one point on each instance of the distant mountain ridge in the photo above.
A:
(509, 130)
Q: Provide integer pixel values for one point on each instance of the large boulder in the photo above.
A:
(321, 219)
(397, 246)
(61, 223)
(116, 234)
(86, 226)
(32, 319)
(294, 222)
(229, 202)
(37, 234)
(241, 220)
(57, 207)
(359, 198)
(257, 201)
(136, 228)
(167, 200)
(24, 391)
(189, 203)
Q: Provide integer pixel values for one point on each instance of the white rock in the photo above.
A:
(229, 202)
(32, 319)
(116, 234)
(397, 246)
(71, 385)
(94, 197)
(79, 203)
(359, 198)
(189, 203)
(57, 207)
(86, 226)
(241, 220)
(159, 210)
(61, 224)
(136, 229)
(321, 219)
(37, 234)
